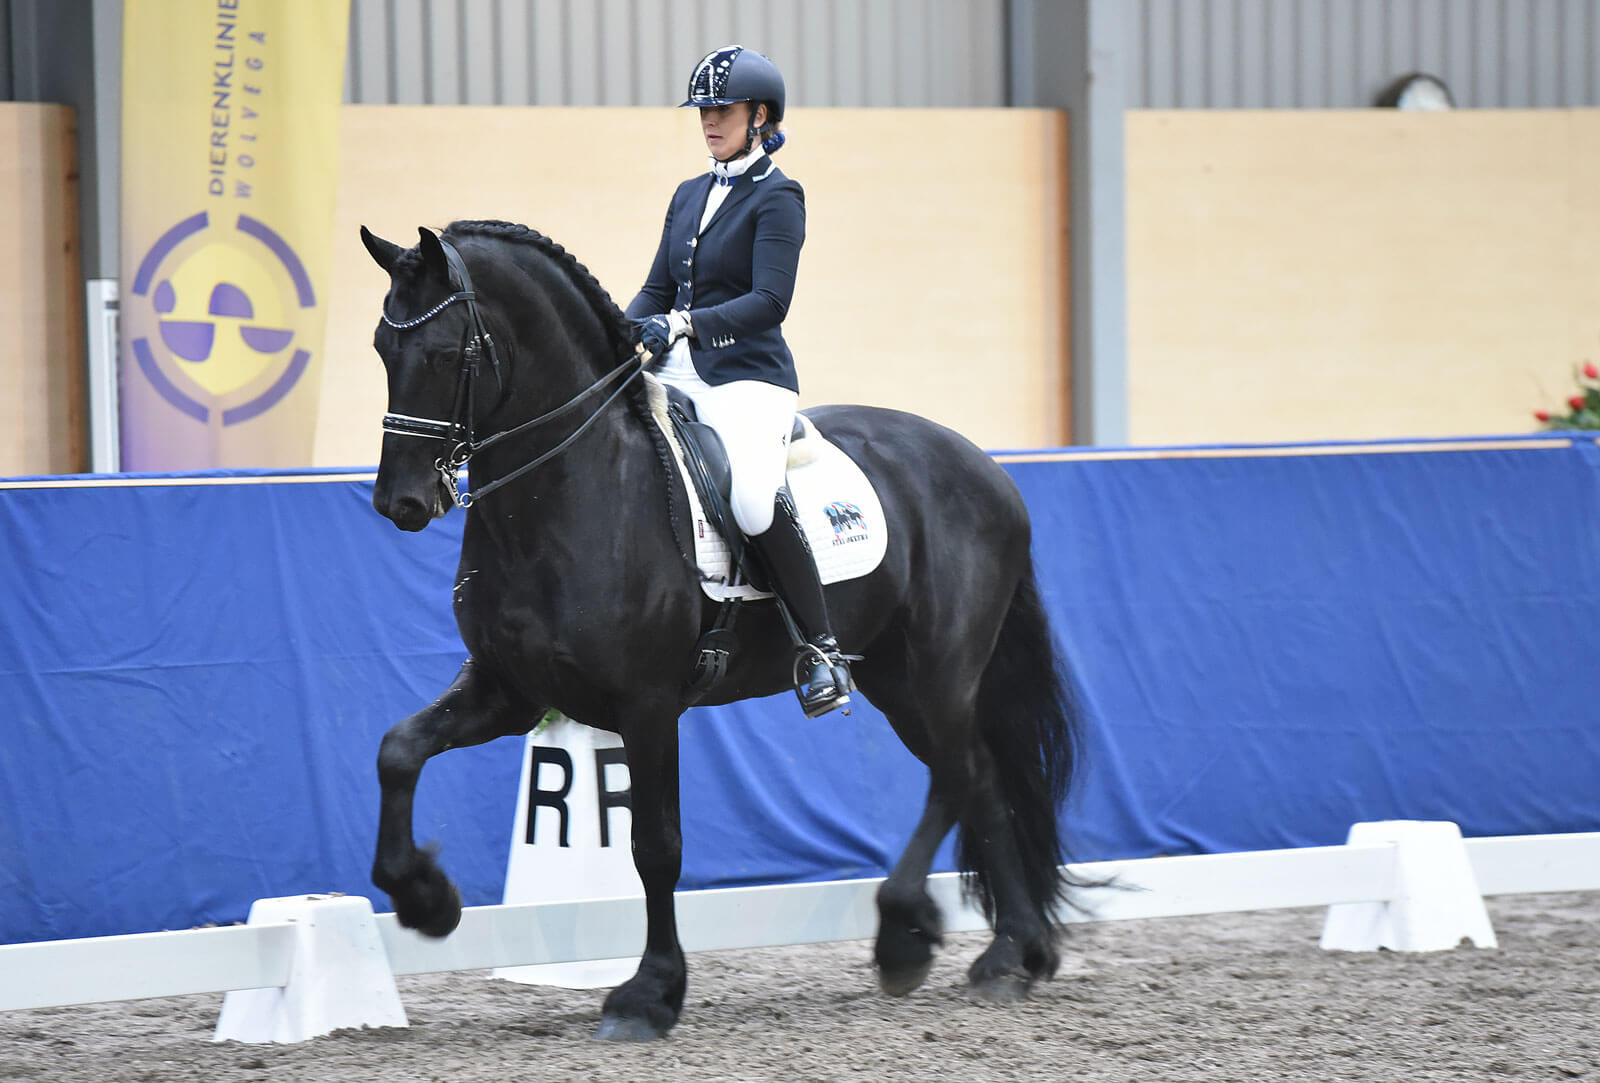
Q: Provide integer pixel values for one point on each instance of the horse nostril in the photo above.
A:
(408, 513)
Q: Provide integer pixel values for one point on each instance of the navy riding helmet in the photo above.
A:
(736, 74)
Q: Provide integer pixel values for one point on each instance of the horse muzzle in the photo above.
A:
(413, 506)
(410, 514)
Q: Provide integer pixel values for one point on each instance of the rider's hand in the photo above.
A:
(657, 333)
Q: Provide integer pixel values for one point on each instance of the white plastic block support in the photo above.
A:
(339, 975)
(1435, 905)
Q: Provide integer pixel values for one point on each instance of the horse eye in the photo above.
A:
(441, 356)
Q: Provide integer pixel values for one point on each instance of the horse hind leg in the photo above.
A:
(1022, 756)
(473, 710)
(923, 711)
(963, 789)
(909, 923)
(1024, 946)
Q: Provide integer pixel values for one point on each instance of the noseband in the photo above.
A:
(458, 431)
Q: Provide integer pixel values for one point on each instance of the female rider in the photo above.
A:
(710, 312)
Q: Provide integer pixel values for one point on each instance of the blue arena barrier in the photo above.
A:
(1273, 644)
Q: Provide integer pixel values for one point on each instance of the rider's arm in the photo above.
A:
(780, 231)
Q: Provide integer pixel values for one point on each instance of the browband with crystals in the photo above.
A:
(430, 314)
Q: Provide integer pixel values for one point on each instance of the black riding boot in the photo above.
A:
(822, 676)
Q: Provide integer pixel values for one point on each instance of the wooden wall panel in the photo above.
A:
(1310, 275)
(1583, 203)
(42, 405)
(930, 281)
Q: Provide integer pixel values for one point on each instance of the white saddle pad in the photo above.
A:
(839, 510)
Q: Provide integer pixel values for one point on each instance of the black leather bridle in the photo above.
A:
(458, 431)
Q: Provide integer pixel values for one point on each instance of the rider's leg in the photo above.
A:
(754, 420)
(787, 554)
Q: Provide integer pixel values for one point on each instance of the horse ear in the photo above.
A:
(385, 253)
(433, 252)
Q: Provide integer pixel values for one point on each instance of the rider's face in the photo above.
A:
(725, 127)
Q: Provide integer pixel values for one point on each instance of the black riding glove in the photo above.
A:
(658, 333)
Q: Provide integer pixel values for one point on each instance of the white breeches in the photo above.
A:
(754, 420)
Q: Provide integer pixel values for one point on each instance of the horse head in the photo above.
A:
(423, 338)
(447, 385)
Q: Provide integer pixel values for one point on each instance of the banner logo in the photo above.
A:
(232, 307)
(230, 148)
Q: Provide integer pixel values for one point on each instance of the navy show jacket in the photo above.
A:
(736, 278)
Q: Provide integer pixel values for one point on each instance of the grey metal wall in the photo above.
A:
(1341, 53)
(639, 52)
(1180, 53)
(7, 92)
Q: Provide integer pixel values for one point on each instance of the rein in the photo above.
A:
(459, 429)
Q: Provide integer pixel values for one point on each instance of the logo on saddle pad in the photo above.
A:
(849, 525)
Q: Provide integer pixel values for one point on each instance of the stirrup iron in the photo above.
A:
(812, 658)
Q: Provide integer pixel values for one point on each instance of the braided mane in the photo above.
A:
(611, 318)
(617, 329)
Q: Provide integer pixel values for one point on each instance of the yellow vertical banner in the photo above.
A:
(230, 128)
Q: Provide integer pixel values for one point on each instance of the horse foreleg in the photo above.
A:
(909, 923)
(648, 1004)
(473, 710)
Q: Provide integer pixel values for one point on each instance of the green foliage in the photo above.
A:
(550, 718)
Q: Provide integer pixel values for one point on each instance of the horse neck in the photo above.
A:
(557, 345)
(569, 509)
(556, 349)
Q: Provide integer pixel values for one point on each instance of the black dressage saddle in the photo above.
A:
(707, 459)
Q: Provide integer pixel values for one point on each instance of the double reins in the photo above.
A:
(458, 431)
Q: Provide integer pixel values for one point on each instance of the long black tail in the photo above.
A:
(1030, 717)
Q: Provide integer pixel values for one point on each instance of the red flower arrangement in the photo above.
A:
(1583, 409)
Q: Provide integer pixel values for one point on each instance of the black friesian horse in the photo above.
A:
(576, 592)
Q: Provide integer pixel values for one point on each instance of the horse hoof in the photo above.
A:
(1002, 989)
(907, 935)
(619, 1028)
(897, 983)
(431, 906)
(443, 923)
